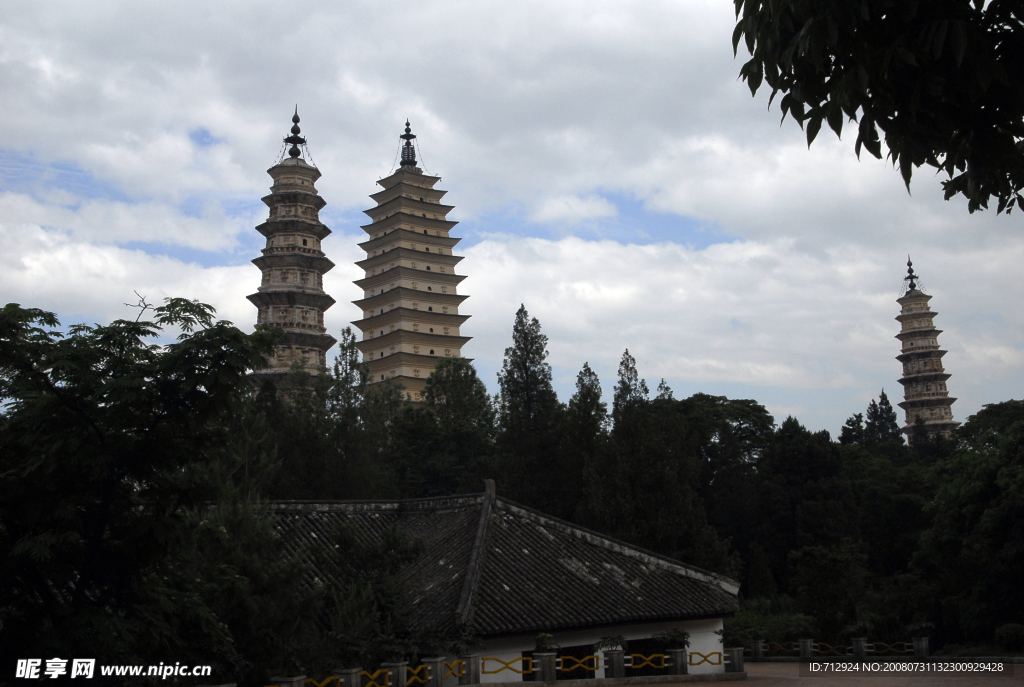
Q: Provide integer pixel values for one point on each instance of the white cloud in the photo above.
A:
(103, 221)
(558, 110)
(572, 209)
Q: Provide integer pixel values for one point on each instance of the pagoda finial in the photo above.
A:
(408, 152)
(295, 140)
(911, 278)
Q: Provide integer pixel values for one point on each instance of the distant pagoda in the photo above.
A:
(410, 299)
(924, 379)
(291, 295)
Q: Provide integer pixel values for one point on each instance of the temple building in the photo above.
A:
(410, 298)
(500, 572)
(926, 398)
(291, 295)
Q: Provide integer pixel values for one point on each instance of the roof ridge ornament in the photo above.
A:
(295, 140)
(408, 152)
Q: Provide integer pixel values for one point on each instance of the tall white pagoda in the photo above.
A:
(410, 300)
(926, 398)
(291, 294)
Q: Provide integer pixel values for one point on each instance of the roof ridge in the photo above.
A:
(464, 611)
(382, 504)
(631, 550)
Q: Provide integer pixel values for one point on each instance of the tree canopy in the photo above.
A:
(941, 80)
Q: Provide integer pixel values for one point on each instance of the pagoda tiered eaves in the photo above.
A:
(410, 297)
(926, 399)
(291, 296)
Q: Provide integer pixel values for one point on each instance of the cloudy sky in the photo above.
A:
(608, 169)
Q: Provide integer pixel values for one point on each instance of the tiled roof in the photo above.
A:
(495, 567)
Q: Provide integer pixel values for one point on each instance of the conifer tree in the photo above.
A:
(525, 378)
(853, 431)
(630, 390)
(529, 415)
(880, 422)
(586, 431)
(664, 391)
(587, 413)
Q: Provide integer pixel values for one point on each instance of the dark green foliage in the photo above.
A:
(974, 549)
(803, 499)
(827, 583)
(880, 425)
(545, 642)
(1010, 637)
(106, 441)
(773, 620)
(940, 79)
(673, 638)
(529, 417)
(853, 431)
(112, 450)
(643, 486)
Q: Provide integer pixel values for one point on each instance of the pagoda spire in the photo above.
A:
(408, 151)
(411, 300)
(295, 140)
(927, 403)
(291, 295)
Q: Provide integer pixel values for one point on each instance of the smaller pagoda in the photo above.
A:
(291, 295)
(926, 399)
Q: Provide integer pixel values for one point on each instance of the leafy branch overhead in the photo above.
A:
(941, 80)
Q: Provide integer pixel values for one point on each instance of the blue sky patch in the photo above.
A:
(203, 138)
(633, 223)
(20, 173)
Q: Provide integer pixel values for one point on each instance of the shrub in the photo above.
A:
(1010, 636)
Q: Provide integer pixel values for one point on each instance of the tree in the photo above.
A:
(586, 432)
(527, 397)
(880, 425)
(630, 390)
(444, 446)
(529, 416)
(106, 442)
(853, 431)
(643, 487)
(458, 397)
(122, 535)
(587, 416)
(941, 79)
(974, 549)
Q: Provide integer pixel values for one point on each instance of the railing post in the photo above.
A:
(734, 660)
(435, 671)
(758, 649)
(920, 647)
(296, 681)
(396, 673)
(806, 648)
(470, 669)
(678, 658)
(544, 666)
(614, 663)
(349, 677)
(860, 647)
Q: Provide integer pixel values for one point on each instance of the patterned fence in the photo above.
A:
(543, 667)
